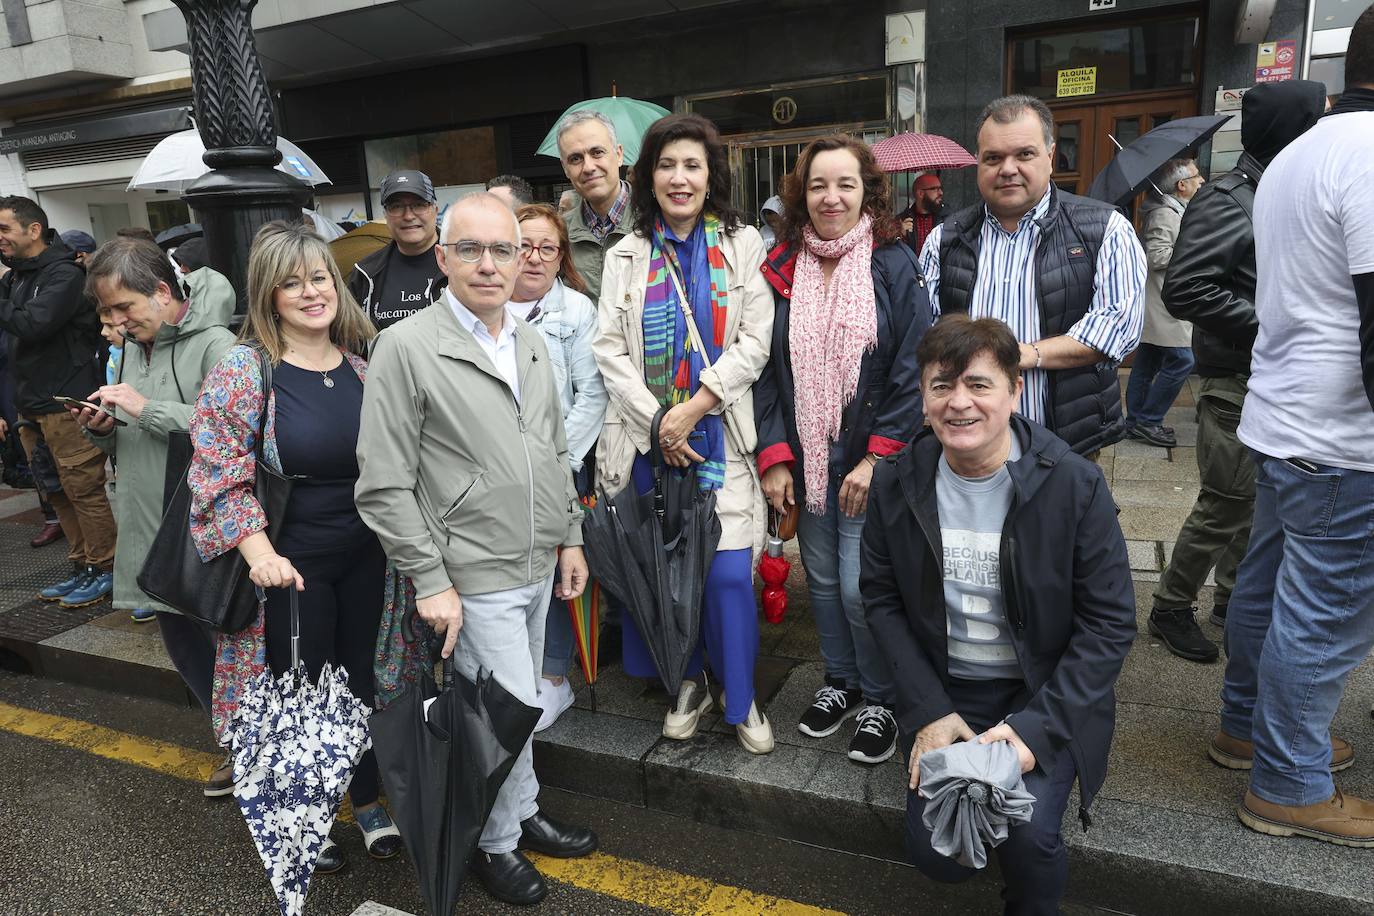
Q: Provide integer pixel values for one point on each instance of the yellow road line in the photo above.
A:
(169, 759)
(673, 892)
(625, 879)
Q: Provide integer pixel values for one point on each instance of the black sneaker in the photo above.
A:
(1218, 615)
(833, 704)
(1154, 435)
(1181, 635)
(875, 739)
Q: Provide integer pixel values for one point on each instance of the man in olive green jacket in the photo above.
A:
(175, 331)
(464, 476)
(601, 216)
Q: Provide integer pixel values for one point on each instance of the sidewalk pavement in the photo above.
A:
(1164, 834)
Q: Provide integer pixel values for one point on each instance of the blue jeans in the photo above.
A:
(559, 641)
(1157, 376)
(1035, 863)
(1300, 619)
(830, 552)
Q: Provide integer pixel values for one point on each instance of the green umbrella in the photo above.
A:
(631, 118)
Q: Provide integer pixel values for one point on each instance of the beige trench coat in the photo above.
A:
(619, 350)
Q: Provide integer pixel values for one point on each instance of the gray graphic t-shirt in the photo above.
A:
(972, 511)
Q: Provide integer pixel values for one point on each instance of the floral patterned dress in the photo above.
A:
(224, 511)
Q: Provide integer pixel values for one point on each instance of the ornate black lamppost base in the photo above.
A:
(233, 204)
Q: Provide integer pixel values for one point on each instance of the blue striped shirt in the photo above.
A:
(1005, 289)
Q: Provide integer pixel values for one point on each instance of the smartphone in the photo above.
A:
(77, 404)
(1304, 465)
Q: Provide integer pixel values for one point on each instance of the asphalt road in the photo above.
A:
(86, 830)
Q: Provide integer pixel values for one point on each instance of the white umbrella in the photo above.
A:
(325, 227)
(176, 162)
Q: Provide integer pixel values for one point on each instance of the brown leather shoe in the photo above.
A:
(1342, 819)
(1235, 754)
(51, 533)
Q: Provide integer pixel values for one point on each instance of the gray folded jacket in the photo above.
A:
(974, 793)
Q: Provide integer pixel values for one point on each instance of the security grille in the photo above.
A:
(87, 153)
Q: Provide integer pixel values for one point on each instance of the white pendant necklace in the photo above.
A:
(324, 373)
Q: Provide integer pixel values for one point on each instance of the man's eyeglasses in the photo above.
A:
(546, 252)
(396, 209)
(501, 252)
(294, 287)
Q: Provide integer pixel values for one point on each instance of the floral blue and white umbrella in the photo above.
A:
(295, 745)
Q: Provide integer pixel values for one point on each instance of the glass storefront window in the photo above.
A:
(164, 214)
(1159, 54)
(859, 100)
(1336, 14)
(450, 157)
(1328, 70)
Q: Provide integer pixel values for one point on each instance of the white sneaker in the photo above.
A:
(693, 699)
(554, 700)
(754, 733)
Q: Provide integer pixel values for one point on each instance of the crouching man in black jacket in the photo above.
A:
(1014, 620)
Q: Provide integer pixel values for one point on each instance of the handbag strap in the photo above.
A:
(692, 330)
(265, 370)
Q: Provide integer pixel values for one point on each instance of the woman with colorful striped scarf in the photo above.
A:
(688, 241)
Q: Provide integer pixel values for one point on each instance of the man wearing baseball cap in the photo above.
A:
(404, 277)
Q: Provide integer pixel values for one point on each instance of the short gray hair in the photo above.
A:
(1171, 173)
(135, 264)
(471, 200)
(1010, 107)
(582, 116)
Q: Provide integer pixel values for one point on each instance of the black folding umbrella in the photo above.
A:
(653, 552)
(442, 764)
(1130, 171)
(177, 235)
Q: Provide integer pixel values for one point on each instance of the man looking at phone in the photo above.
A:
(55, 338)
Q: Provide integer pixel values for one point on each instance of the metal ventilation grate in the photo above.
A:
(86, 153)
(341, 160)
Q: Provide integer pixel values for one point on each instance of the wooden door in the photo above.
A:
(1084, 133)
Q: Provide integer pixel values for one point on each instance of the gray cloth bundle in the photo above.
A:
(974, 794)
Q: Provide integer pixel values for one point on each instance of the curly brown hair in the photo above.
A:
(666, 130)
(567, 270)
(877, 201)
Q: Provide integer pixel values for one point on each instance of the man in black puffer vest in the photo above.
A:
(1067, 274)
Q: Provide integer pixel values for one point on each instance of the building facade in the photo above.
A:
(465, 89)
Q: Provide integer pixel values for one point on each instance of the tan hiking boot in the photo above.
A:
(1342, 819)
(1235, 754)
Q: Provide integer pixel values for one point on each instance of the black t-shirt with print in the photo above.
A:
(407, 287)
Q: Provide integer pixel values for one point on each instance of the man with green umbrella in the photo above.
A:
(591, 158)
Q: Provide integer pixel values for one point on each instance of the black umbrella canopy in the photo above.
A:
(653, 551)
(443, 767)
(170, 238)
(1127, 174)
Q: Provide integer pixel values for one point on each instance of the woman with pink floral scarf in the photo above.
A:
(841, 390)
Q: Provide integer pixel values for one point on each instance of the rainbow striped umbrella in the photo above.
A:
(585, 611)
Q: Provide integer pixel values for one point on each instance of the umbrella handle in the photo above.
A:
(656, 462)
(295, 627)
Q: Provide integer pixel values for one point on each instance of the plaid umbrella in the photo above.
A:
(295, 745)
(920, 152)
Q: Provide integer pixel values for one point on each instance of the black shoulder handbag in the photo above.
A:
(217, 592)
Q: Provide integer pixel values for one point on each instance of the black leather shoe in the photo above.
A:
(542, 833)
(331, 859)
(509, 877)
(1181, 635)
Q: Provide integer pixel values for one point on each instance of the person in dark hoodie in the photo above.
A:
(1210, 282)
(997, 586)
(404, 277)
(55, 339)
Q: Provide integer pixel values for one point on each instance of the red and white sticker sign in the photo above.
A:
(1275, 60)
